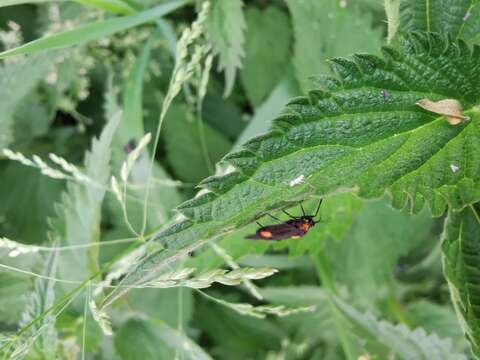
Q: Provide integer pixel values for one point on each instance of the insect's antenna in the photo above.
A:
(318, 208)
(259, 224)
(303, 210)
(274, 217)
(289, 215)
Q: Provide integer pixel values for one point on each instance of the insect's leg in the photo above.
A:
(303, 210)
(274, 217)
(289, 215)
(259, 224)
(318, 208)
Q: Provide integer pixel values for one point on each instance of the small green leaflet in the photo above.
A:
(40, 340)
(461, 261)
(77, 220)
(361, 132)
(226, 25)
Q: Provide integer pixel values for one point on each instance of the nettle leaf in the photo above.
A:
(365, 261)
(14, 291)
(386, 340)
(188, 162)
(16, 81)
(267, 51)
(361, 133)
(343, 30)
(436, 318)
(139, 339)
(41, 339)
(226, 25)
(461, 254)
(459, 18)
(471, 29)
(77, 220)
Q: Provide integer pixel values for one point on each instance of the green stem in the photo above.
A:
(397, 310)
(325, 275)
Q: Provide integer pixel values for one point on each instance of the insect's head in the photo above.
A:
(308, 221)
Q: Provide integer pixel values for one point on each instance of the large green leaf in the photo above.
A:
(16, 81)
(452, 17)
(362, 133)
(269, 110)
(471, 29)
(324, 29)
(461, 255)
(24, 208)
(235, 336)
(366, 259)
(139, 339)
(436, 318)
(14, 291)
(267, 51)
(184, 145)
(387, 341)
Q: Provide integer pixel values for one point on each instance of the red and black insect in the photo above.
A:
(294, 228)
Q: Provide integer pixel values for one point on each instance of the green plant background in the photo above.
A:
(270, 109)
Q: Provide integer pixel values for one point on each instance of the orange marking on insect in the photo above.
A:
(305, 226)
(265, 234)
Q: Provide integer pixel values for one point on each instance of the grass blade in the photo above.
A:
(93, 31)
(113, 6)
(20, 2)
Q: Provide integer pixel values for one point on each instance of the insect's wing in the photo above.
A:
(277, 232)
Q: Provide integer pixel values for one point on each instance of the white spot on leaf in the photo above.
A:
(298, 180)
(454, 168)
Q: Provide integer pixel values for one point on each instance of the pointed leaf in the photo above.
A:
(78, 214)
(461, 263)
(386, 340)
(41, 338)
(362, 133)
(226, 25)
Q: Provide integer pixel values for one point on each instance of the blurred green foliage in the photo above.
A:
(372, 273)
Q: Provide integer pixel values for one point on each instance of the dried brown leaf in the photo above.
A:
(450, 108)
